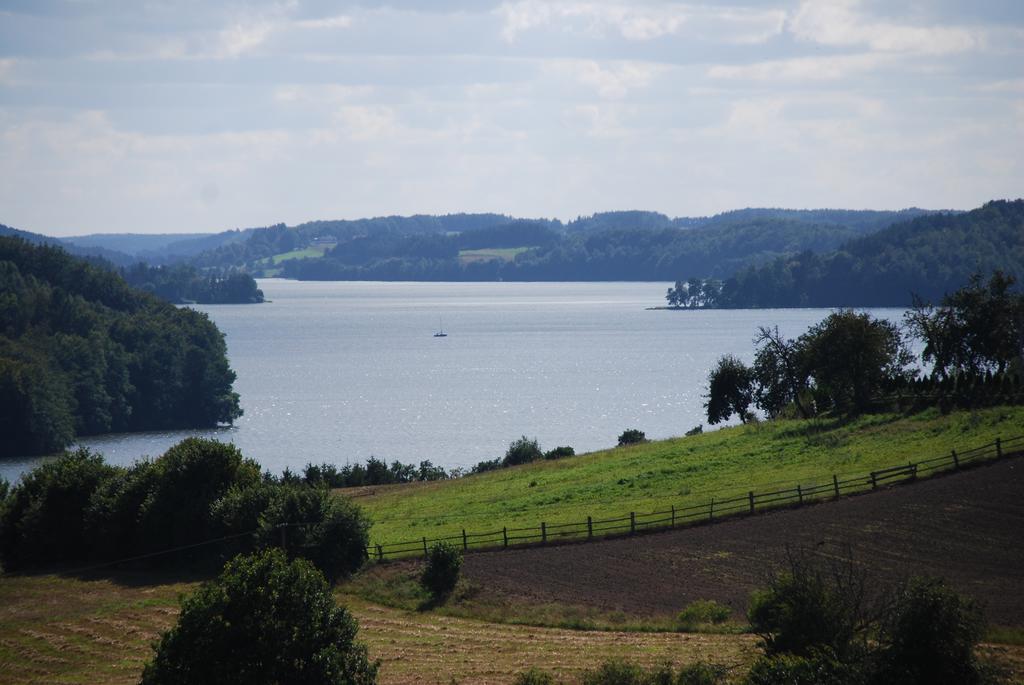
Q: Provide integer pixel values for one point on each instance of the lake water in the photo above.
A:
(337, 372)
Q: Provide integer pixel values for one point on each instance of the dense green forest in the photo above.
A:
(182, 283)
(927, 256)
(82, 352)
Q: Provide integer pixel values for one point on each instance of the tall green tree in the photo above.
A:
(730, 390)
(853, 357)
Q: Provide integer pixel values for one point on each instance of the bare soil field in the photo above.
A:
(966, 527)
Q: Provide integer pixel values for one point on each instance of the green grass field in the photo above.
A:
(680, 472)
(506, 254)
(304, 253)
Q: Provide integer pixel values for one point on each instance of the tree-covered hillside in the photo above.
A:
(927, 256)
(81, 352)
(632, 245)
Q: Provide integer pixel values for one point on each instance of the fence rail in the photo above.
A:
(715, 509)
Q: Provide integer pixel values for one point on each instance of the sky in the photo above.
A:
(152, 116)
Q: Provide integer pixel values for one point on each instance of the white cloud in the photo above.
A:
(239, 38)
(342, 21)
(612, 82)
(631, 21)
(1007, 86)
(801, 68)
(7, 71)
(839, 23)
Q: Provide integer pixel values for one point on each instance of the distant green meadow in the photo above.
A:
(679, 472)
(506, 254)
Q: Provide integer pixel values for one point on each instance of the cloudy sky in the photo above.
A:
(196, 115)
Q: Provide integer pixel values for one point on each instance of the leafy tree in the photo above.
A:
(42, 519)
(853, 358)
(730, 390)
(977, 329)
(188, 479)
(330, 531)
(263, 620)
(632, 436)
(780, 373)
(441, 572)
(522, 451)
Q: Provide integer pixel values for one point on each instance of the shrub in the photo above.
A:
(814, 669)
(812, 606)
(701, 674)
(696, 430)
(701, 613)
(441, 572)
(43, 516)
(534, 676)
(560, 453)
(263, 620)
(522, 451)
(330, 531)
(632, 436)
(189, 478)
(485, 466)
(615, 672)
(929, 636)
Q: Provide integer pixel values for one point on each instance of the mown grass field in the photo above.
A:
(506, 254)
(65, 630)
(680, 472)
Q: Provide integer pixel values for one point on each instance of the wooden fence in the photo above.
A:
(742, 505)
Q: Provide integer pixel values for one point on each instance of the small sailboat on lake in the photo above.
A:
(440, 330)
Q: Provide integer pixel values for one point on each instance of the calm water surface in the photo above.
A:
(340, 371)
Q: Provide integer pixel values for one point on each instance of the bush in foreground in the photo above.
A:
(632, 436)
(441, 573)
(703, 612)
(263, 620)
(42, 517)
(522, 451)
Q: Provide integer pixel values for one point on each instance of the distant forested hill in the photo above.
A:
(928, 256)
(633, 245)
(81, 352)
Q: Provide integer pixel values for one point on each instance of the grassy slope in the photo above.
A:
(680, 472)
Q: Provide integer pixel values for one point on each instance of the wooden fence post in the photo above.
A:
(751, 496)
(543, 533)
(835, 484)
(380, 552)
(874, 482)
(999, 448)
(632, 522)
(913, 470)
(425, 552)
(956, 460)
(799, 494)
(590, 527)
(504, 535)
(711, 510)
(673, 516)
(465, 545)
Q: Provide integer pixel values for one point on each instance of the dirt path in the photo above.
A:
(966, 527)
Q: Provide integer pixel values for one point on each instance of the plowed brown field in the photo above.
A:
(966, 527)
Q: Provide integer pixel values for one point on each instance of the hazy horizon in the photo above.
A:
(169, 117)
